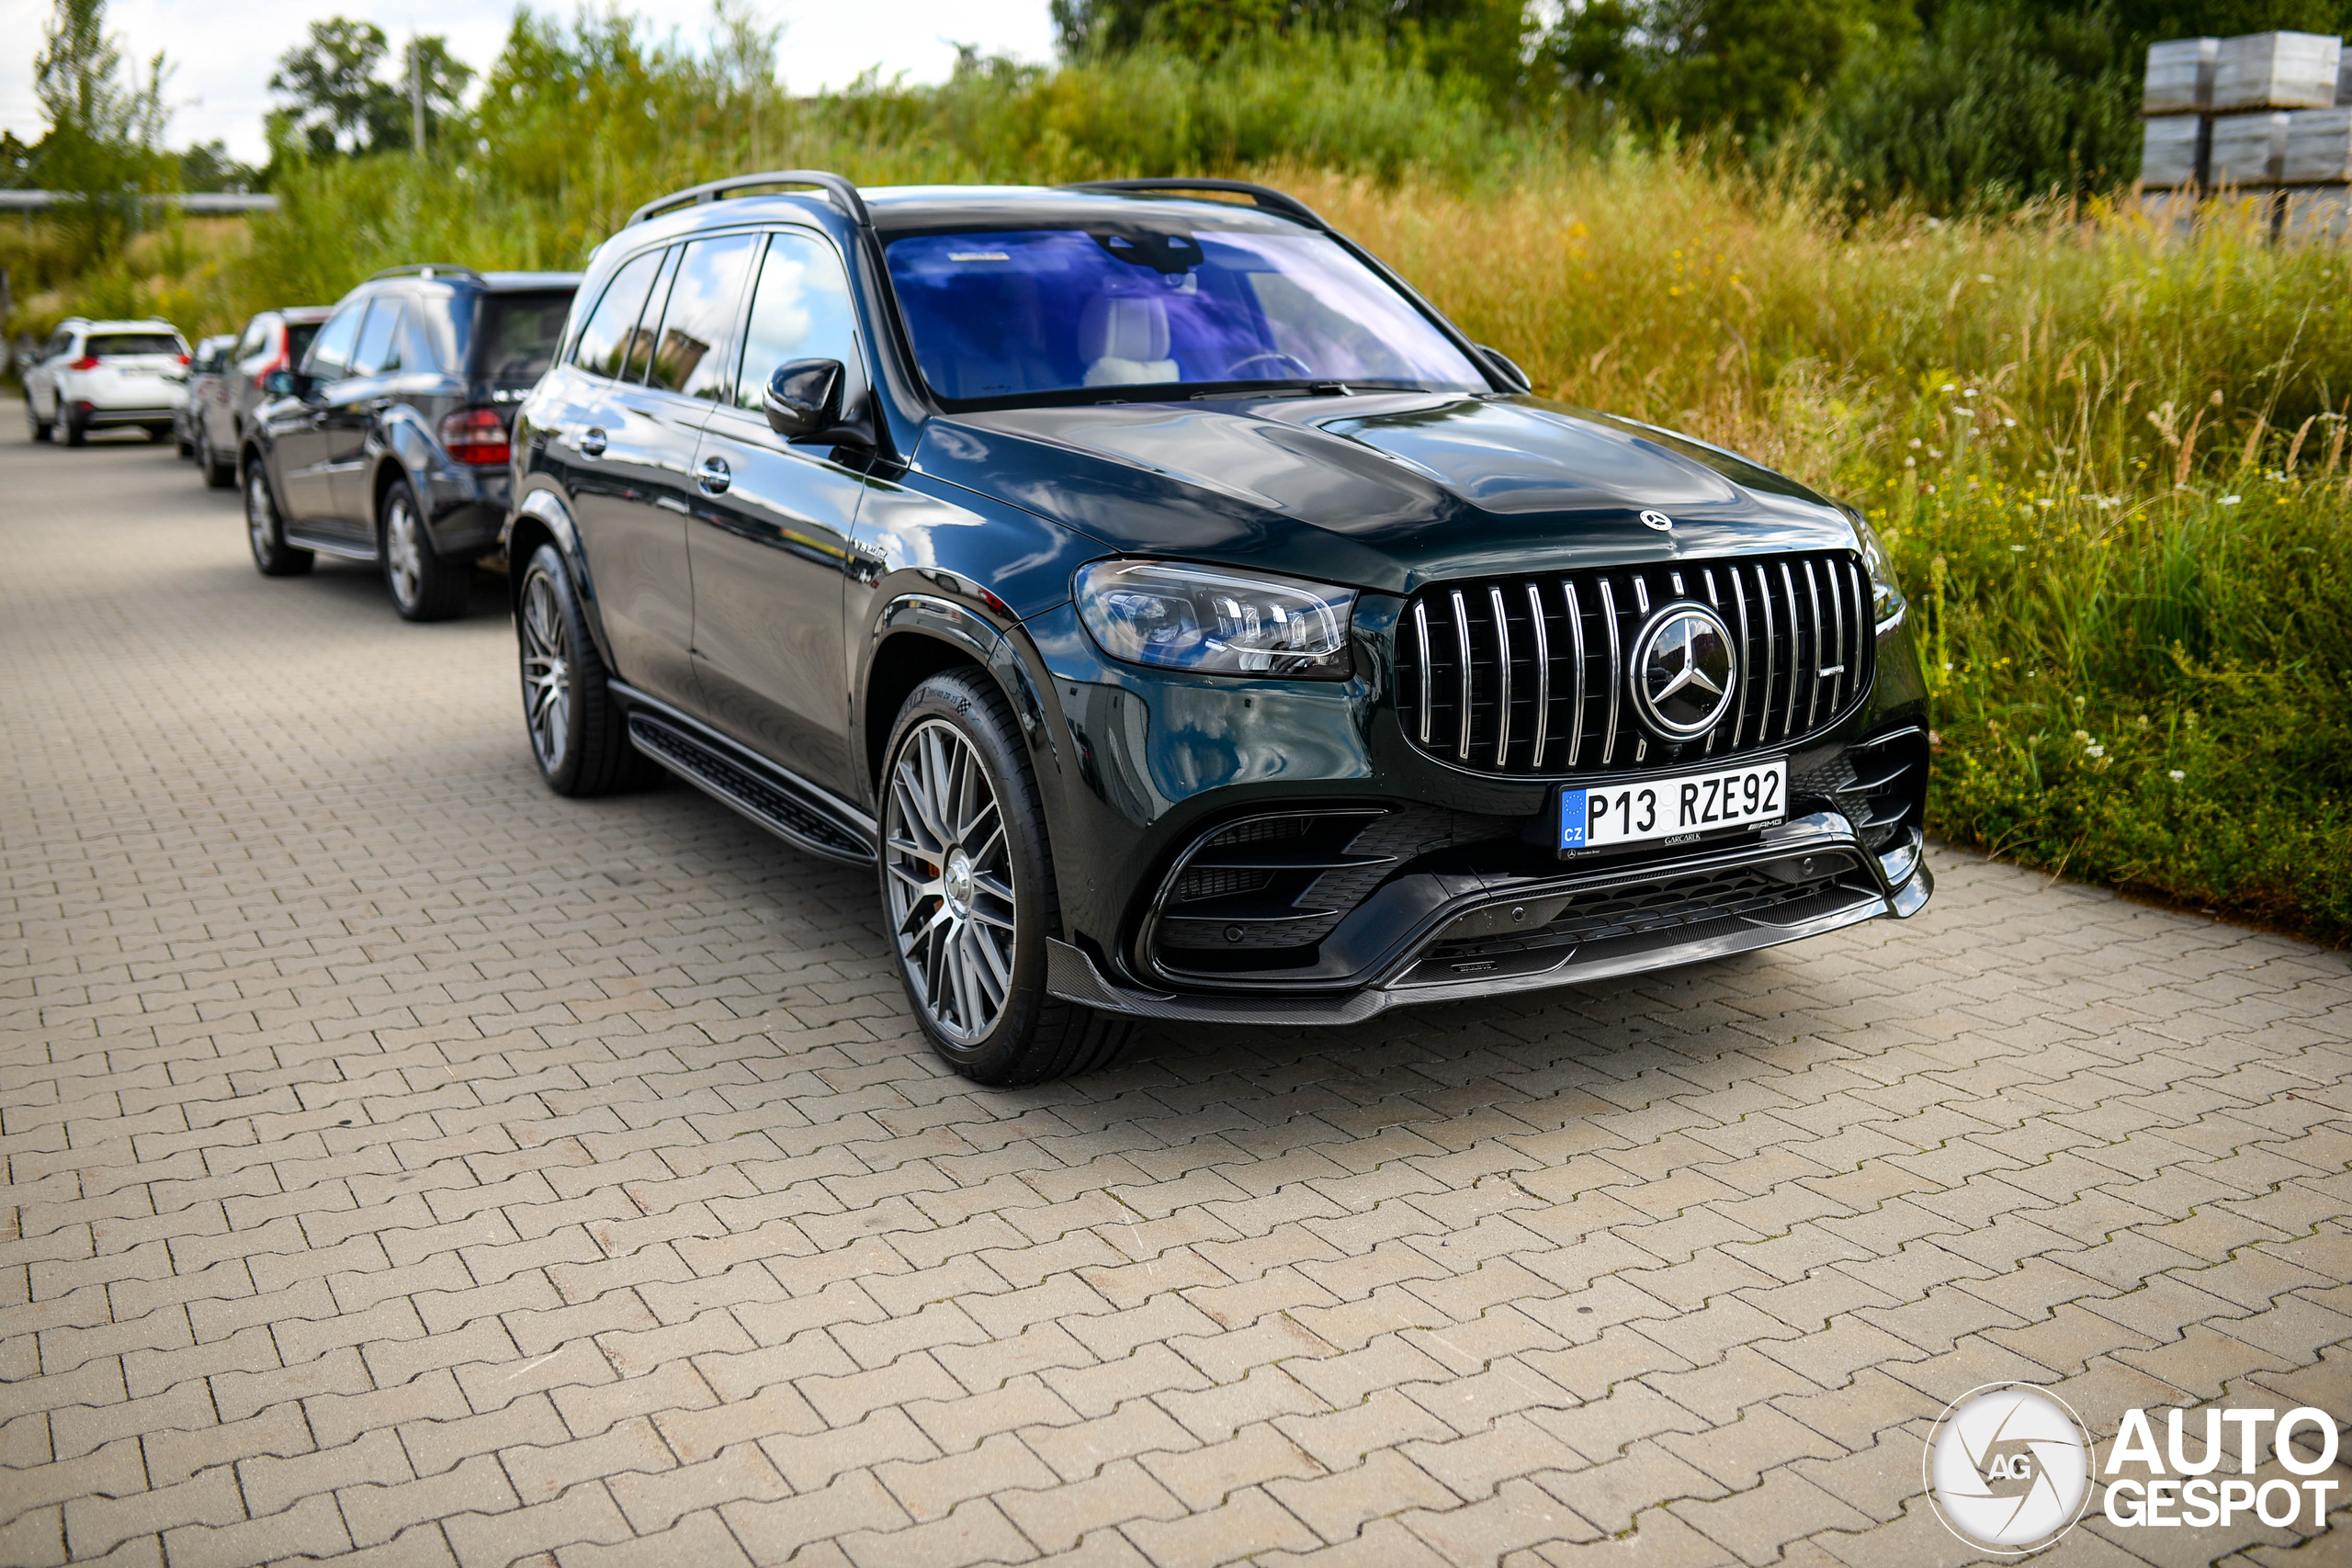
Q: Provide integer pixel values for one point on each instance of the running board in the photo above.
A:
(767, 795)
(342, 549)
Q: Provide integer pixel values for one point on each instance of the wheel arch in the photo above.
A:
(916, 637)
(542, 518)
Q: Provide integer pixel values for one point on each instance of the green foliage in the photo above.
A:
(105, 128)
(1998, 101)
(339, 102)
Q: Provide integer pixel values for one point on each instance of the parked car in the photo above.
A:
(274, 340)
(199, 381)
(389, 444)
(1184, 619)
(104, 375)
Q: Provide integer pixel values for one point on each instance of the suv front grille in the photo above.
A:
(1528, 675)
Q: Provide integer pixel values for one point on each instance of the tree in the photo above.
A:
(341, 105)
(105, 129)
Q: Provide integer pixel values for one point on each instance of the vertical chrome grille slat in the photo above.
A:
(1543, 676)
(1576, 664)
(1503, 663)
(1796, 639)
(1462, 638)
(1421, 649)
(1800, 624)
(1813, 697)
(1616, 672)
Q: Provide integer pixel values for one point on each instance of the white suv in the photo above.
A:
(94, 374)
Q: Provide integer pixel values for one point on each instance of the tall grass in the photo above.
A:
(2111, 459)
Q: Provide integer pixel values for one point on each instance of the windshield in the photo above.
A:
(1019, 313)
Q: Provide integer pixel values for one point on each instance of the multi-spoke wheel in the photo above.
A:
(579, 736)
(967, 885)
(547, 672)
(423, 586)
(952, 904)
(266, 529)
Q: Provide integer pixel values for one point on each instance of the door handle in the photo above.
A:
(714, 477)
(592, 443)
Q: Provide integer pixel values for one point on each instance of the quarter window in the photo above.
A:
(256, 335)
(800, 309)
(695, 353)
(604, 342)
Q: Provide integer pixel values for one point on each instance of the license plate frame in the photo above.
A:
(1681, 808)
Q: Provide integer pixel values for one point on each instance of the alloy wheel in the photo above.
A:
(258, 525)
(547, 672)
(404, 551)
(950, 880)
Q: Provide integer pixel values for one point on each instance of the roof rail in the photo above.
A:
(1266, 198)
(844, 193)
(426, 269)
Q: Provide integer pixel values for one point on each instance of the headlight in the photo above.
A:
(1216, 622)
(1886, 595)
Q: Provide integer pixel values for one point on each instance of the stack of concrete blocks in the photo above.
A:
(2268, 113)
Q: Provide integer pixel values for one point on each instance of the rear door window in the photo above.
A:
(695, 352)
(519, 333)
(604, 342)
(330, 354)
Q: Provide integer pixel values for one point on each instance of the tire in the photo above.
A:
(423, 586)
(968, 891)
(68, 425)
(162, 431)
(180, 444)
(38, 425)
(218, 475)
(578, 735)
(265, 528)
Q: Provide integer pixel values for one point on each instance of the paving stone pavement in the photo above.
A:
(406, 1163)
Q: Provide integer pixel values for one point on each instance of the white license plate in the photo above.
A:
(1680, 808)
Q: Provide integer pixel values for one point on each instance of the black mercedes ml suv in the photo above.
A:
(1184, 619)
(387, 441)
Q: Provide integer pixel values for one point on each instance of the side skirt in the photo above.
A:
(343, 549)
(794, 810)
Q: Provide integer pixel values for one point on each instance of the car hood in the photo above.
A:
(1379, 490)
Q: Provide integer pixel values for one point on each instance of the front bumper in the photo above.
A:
(1802, 878)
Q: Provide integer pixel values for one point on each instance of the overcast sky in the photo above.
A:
(226, 49)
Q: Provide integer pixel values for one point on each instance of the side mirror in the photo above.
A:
(281, 384)
(1509, 370)
(803, 403)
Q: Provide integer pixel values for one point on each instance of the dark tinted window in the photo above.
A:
(378, 349)
(694, 353)
(800, 309)
(604, 341)
(519, 332)
(298, 339)
(330, 350)
(422, 335)
(108, 344)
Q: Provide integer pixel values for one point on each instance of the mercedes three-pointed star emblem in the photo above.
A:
(1683, 673)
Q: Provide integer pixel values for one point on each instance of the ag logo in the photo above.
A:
(2008, 1468)
(1657, 520)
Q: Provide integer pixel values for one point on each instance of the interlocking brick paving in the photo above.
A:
(405, 1162)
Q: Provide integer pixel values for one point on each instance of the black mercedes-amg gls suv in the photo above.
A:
(1184, 619)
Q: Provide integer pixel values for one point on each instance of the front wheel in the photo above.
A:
(266, 529)
(578, 735)
(423, 586)
(967, 885)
